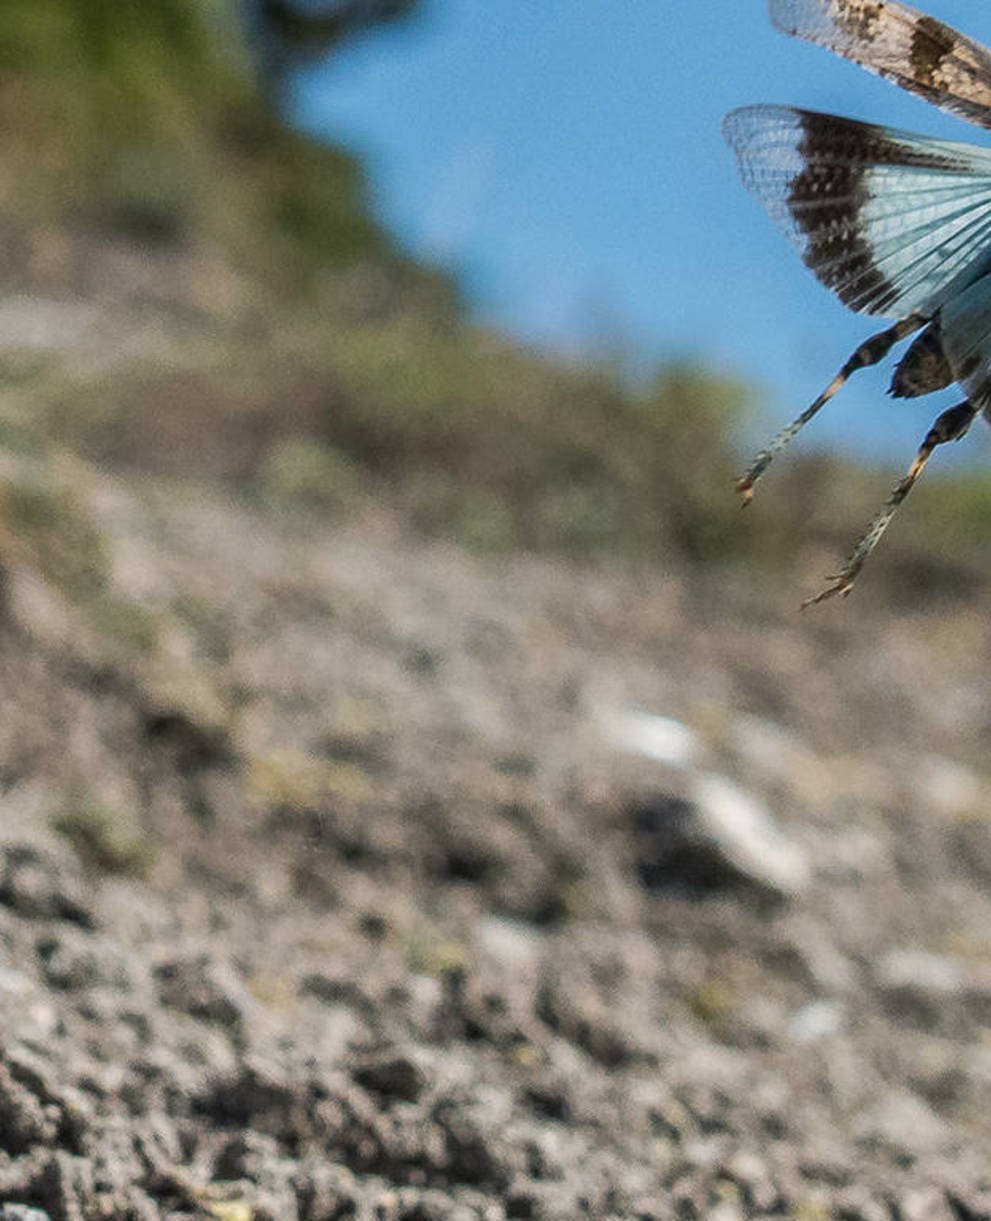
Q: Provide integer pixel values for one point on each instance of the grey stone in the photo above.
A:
(902, 1122)
(204, 987)
(36, 883)
(391, 1076)
(716, 837)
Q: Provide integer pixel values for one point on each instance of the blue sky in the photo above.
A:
(564, 158)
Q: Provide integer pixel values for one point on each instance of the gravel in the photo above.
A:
(409, 941)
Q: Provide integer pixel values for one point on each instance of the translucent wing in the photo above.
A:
(893, 223)
(966, 332)
(902, 45)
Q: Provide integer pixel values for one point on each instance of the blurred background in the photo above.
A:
(410, 202)
(571, 174)
(419, 794)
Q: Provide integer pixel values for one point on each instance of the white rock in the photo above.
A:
(950, 787)
(725, 819)
(507, 944)
(921, 971)
(14, 984)
(745, 832)
(44, 324)
(903, 1122)
(660, 738)
(815, 1021)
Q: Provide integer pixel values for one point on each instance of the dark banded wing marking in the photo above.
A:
(900, 44)
(893, 223)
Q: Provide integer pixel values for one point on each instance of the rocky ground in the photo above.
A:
(343, 875)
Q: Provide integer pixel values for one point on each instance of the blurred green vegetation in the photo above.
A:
(106, 841)
(255, 325)
(46, 526)
(147, 120)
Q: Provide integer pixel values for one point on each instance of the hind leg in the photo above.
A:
(869, 353)
(950, 426)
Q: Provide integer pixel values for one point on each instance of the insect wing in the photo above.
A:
(966, 332)
(893, 223)
(900, 44)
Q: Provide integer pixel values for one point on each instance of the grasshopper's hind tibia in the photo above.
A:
(950, 426)
(869, 353)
